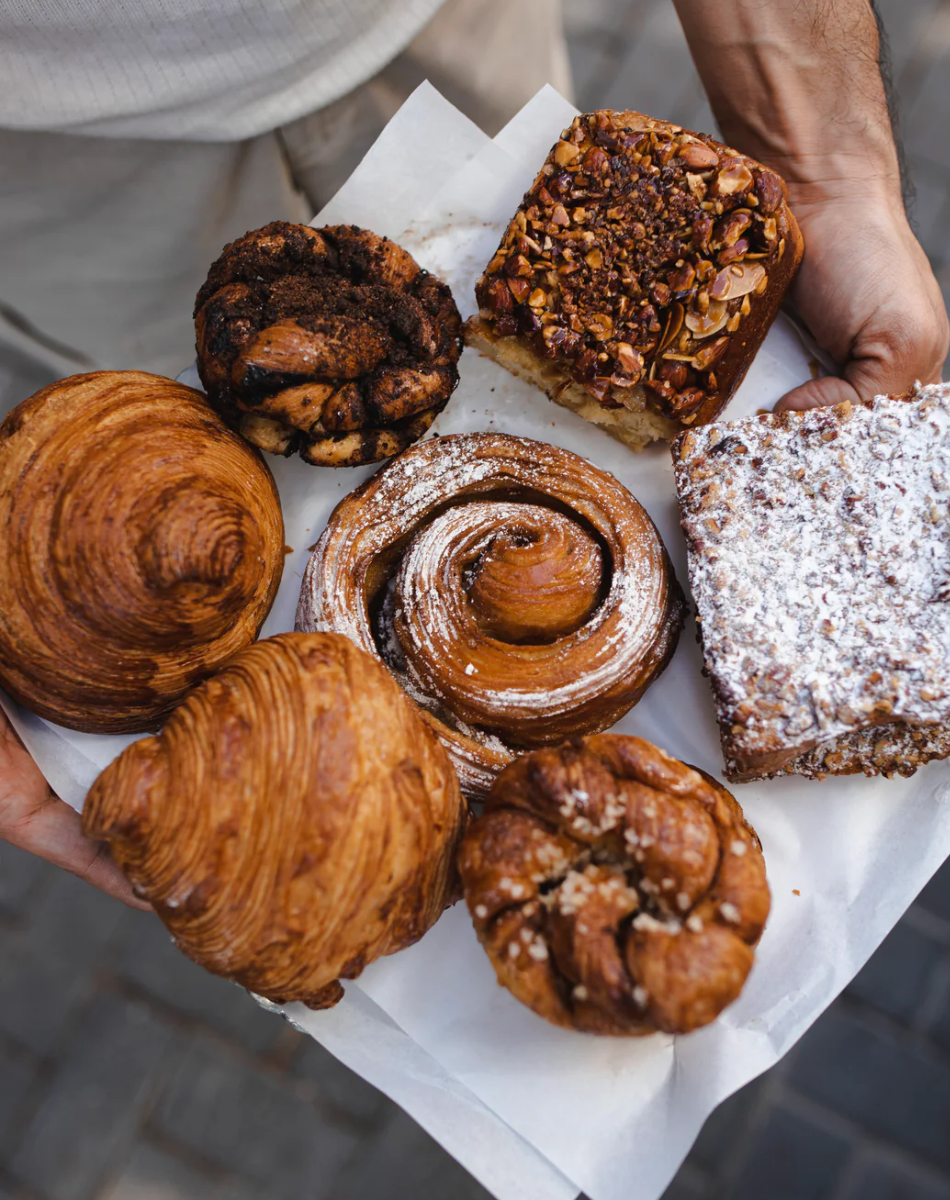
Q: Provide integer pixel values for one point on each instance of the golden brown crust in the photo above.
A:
(330, 343)
(643, 268)
(144, 546)
(518, 593)
(293, 821)
(615, 889)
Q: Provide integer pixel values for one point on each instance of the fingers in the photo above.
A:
(53, 831)
(817, 393)
(869, 296)
(35, 820)
(892, 360)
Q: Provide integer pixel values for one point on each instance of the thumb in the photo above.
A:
(54, 832)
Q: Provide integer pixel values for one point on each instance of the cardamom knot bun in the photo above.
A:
(615, 889)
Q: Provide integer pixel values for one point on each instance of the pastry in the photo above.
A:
(519, 594)
(331, 343)
(293, 821)
(639, 276)
(143, 547)
(819, 563)
(615, 889)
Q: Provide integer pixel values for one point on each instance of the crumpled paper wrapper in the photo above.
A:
(533, 1111)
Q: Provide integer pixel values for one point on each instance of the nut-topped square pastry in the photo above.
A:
(819, 559)
(639, 276)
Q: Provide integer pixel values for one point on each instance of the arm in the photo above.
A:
(32, 818)
(799, 86)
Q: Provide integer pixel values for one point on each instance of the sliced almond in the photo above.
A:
(738, 279)
(674, 323)
(701, 326)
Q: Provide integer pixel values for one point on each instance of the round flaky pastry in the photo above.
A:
(615, 889)
(293, 820)
(143, 547)
(329, 342)
(519, 594)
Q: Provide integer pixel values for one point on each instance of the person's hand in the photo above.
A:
(870, 299)
(800, 87)
(32, 818)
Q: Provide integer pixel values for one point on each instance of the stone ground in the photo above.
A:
(126, 1073)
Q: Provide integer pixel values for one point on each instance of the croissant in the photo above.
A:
(144, 546)
(616, 890)
(331, 343)
(293, 821)
(519, 594)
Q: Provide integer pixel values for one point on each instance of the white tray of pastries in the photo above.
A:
(500, 617)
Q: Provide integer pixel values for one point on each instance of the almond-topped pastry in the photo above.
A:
(819, 560)
(615, 889)
(639, 276)
(328, 343)
(519, 594)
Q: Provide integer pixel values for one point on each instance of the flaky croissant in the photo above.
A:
(615, 889)
(328, 342)
(293, 821)
(520, 594)
(143, 547)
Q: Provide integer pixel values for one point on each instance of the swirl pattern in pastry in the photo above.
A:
(519, 594)
(144, 547)
(615, 889)
(331, 343)
(293, 821)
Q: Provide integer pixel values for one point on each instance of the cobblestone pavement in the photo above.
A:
(126, 1073)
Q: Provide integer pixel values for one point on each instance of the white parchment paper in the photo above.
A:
(537, 1113)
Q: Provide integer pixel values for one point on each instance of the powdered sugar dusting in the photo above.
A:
(442, 482)
(820, 565)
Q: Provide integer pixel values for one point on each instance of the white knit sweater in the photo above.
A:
(202, 70)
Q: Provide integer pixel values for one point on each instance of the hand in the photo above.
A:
(32, 818)
(800, 87)
(869, 297)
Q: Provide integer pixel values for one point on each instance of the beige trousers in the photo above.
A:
(104, 242)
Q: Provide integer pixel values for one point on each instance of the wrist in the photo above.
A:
(798, 87)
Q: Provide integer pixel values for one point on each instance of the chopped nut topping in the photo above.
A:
(634, 241)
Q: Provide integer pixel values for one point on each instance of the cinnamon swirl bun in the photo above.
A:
(519, 594)
(144, 546)
(615, 889)
(331, 343)
(293, 821)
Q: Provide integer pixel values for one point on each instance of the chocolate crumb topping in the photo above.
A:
(332, 343)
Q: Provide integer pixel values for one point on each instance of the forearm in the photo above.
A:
(797, 84)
